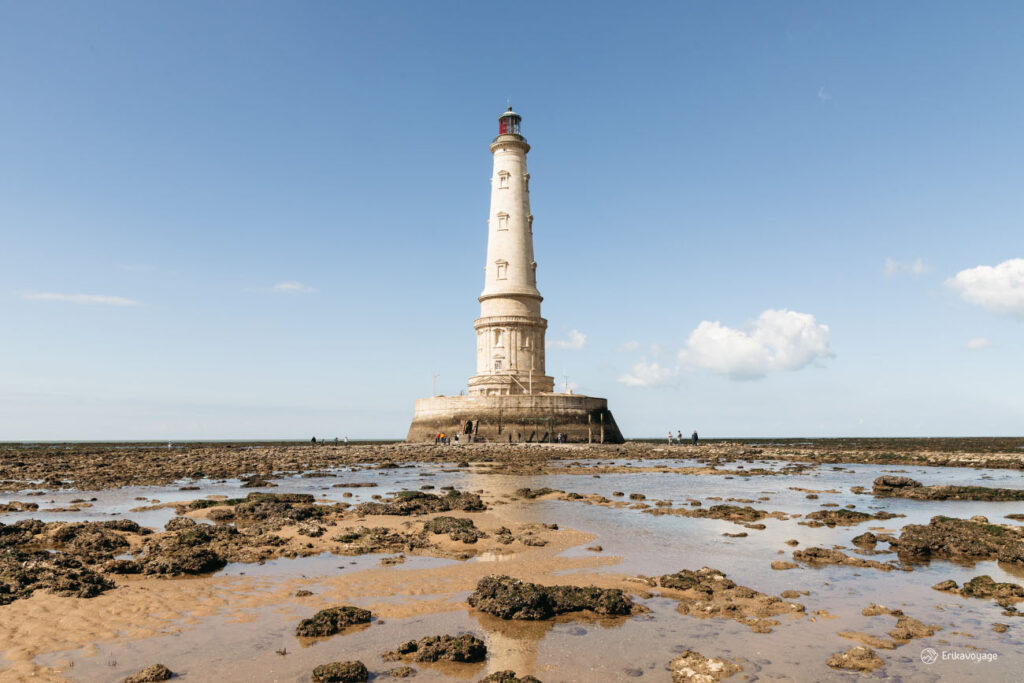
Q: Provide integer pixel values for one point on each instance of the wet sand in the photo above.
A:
(238, 623)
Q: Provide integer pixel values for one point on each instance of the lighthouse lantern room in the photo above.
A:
(508, 123)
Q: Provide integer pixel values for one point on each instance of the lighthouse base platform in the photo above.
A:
(516, 418)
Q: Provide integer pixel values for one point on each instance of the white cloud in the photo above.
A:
(576, 341)
(776, 341)
(916, 267)
(629, 347)
(978, 343)
(292, 287)
(999, 289)
(824, 95)
(645, 374)
(83, 299)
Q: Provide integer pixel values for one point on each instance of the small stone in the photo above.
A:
(508, 676)
(402, 672)
(693, 667)
(859, 658)
(782, 565)
(341, 672)
(156, 672)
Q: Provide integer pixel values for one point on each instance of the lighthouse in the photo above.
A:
(511, 398)
(510, 329)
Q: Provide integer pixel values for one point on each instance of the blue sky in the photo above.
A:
(268, 220)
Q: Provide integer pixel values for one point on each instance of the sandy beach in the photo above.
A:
(756, 560)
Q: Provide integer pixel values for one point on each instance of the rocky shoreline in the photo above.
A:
(103, 466)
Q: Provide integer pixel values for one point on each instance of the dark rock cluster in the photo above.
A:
(510, 598)
(333, 620)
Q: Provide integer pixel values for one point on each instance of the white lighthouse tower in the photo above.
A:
(511, 397)
(510, 330)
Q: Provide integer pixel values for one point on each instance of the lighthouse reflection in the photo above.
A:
(516, 645)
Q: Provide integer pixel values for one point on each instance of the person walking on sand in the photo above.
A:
(670, 438)
(693, 438)
(679, 437)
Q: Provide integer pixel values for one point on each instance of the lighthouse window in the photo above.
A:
(497, 365)
(530, 220)
(502, 221)
(526, 181)
(503, 180)
(502, 270)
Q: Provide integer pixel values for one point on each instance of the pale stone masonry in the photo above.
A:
(510, 329)
(511, 398)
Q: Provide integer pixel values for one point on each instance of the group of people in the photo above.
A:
(678, 438)
(314, 441)
(447, 439)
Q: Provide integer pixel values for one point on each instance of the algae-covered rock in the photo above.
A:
(510, 598)
(463, 648)
(693, 667)
(341, 672)
(859, 658)
(508, 676)
(960, 539)
(151, 674)
(329, 621)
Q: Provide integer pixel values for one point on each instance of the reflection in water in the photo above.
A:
(512, 645)
(493, 556)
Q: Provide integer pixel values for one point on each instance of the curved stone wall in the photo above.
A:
(516, 418)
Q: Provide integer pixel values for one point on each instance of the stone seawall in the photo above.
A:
(521, 418)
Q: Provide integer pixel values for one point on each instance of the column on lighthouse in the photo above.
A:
(510, 330)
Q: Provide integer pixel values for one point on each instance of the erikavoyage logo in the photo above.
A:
(930, 656)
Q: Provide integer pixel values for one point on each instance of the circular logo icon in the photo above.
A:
(928, 655)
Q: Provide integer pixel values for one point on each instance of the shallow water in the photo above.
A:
(220, 647)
